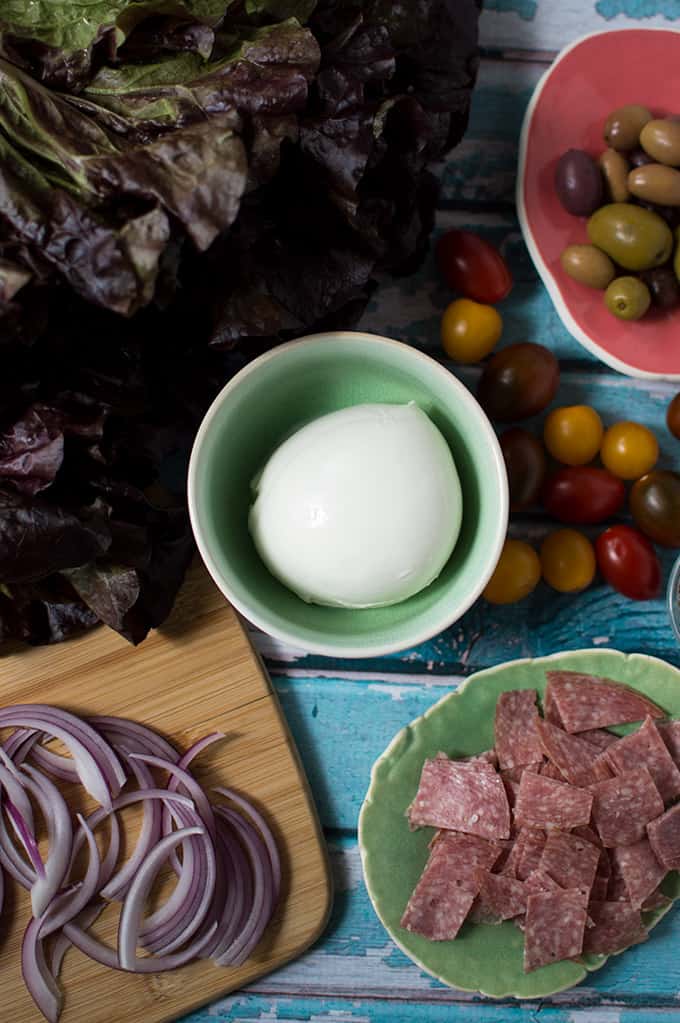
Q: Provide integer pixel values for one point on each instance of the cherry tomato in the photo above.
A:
(628, 562)
(629, 450)
(583, 494)
(567, 560)
(673, 416)
(518, 382)
(472, 266)
(470, 330)
(525, 463)
(655, 504)
(516, 574)
(573, 434)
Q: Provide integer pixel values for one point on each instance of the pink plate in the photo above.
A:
(588, 80)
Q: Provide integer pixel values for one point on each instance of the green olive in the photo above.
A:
(661, 140)
(656, 183)
(615, 168)
(623, 126)
(588, 265)
(627, 298)
(633, 237)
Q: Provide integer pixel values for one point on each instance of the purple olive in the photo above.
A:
(663, 287)
(638, 158)
(578, 181)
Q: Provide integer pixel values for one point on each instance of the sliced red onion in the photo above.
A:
(67, 906)
(263, 893)
(135, 737)
(11, 780)
(25, 837)
(59, 836)
(189, 783)
(149, 835)
(98, 767)
(62, 944)
(263, 828)
(42, 986)
(228, 877)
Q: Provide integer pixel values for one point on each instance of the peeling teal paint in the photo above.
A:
(609, 9)
(526, 9)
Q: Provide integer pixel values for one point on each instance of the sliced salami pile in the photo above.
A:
(563, 828)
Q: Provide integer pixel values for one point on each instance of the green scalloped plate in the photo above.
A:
(483, 958)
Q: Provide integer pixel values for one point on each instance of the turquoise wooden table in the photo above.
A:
(343, 714)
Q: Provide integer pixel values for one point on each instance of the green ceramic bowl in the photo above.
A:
(283, 390)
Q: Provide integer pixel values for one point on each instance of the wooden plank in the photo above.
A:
(197, 674)
(542, 25)
(253, 1008)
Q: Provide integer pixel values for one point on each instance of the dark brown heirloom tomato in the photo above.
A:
(525, 463)
(518, 382)
(471, 265)
(628, 562)
(583, 494)
(655, 505)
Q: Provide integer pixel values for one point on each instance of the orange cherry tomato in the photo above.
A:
(629, 450)
(516, 574)
(573, 434)
(568, 560)
(470, 330)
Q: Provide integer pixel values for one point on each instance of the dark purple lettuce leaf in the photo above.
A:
(108, 590)
(31, 451)
(221, 203)
(37, 539)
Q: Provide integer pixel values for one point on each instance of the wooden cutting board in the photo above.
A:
(197, 674)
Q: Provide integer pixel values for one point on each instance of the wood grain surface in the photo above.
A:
(196, 675)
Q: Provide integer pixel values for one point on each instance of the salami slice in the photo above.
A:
(657, 900)
(504, 896)
(573, 757)
(600, 889)
(601, 768)
(664, 837)
(549, 770)
(641, 871)
(539, 881)
(670, 733)
(554, 927)
(571, 861)
(489, 756)
(515, 729)
(545, 803)
(550, 711)
(647, 747)
(481, 913)
(587, 833)
(448, 886)
(617, 925)
(585, 702)
(622, 807)
(461, 797)
(599, 737)
(530, 852)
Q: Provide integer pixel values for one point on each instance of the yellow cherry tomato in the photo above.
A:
(470, 330)
(629, 450)
(573, 434)
(516, 574)
(567, 560)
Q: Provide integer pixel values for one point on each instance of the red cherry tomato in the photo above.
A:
(473, 267)
(628, 562)
(583, 494)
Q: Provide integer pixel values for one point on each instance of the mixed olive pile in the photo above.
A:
(557, 470)
(631, 195)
